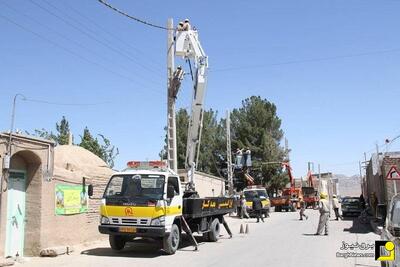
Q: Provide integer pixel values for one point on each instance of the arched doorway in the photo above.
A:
(23, 204)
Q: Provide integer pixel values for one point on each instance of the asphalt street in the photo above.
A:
(282, 240)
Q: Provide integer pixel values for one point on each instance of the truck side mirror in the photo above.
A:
(90, 190)
(170, 191)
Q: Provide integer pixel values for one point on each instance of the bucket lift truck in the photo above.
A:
(146, 200)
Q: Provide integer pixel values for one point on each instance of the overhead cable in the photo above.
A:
(132, 17)
(72, 52)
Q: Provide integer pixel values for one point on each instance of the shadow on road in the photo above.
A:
(357, 227)
(143, 248)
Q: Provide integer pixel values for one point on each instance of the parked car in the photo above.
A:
(391, 230)
(351, 206)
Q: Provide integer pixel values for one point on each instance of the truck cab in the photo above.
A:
(391, 230)
(145, 200)
(249, 194)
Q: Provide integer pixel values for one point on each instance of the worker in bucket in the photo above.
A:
(238, 158)
(302, 209)
(186, 25)
(180, 26)
(323, 214)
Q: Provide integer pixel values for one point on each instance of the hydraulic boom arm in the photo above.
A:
(188, 46)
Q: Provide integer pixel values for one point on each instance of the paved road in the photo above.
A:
(282, 240)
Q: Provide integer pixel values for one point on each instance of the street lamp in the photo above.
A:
(12, 121)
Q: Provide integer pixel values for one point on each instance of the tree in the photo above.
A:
(256, 126)
(43, 133)
(209, 156)
(91, 143)
(109, 151)
(105, 151)
(63, 132)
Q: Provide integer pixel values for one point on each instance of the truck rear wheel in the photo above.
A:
(117, 242)
(171, 240)
(213, 235)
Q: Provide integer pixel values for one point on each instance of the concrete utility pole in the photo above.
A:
(229, 152)
(171, 123)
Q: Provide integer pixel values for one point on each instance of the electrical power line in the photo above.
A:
(65, 104)
(127, 54)
(70, 51)
(395, 50)
(69, 39)
(127, 44)
(89, 33)
(132, 17)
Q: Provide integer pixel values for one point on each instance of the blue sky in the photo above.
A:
(331, 67)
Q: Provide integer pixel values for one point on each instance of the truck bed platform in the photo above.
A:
(209, 206)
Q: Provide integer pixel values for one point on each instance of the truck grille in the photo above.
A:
(130, 221)
(396, 231)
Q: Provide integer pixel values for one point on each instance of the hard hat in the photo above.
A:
(180, 22)
(186, 20)
(322, 195)
(333, 195)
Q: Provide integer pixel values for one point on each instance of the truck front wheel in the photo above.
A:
(213, 235)
(171, 240)
(117, 242)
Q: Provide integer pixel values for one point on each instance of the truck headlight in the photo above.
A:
(104, 220)
(160, 221)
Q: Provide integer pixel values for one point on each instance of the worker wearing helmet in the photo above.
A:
(323, 214)
(180, 26)
(186, 25)
(302, 209)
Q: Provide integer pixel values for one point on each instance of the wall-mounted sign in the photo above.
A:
(393, 173)
(71, 199)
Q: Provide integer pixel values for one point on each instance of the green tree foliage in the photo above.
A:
(182, 124)
(43, 133)
(62, 131)
(102, 148)
(110, 152)
(210, 146)
(255, 125)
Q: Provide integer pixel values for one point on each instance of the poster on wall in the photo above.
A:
(71, 199)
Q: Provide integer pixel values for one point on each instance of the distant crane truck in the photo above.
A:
(289, 200)
(148, 199)
(310, 193)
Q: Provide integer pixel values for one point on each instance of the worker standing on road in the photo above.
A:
(335, 204)
(302, 209)
(257, 207)
(243, 208)
(324, 214)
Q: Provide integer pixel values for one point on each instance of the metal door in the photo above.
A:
(15, 229)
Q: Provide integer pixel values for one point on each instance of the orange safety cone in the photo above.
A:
(241, 229)
(247, 228)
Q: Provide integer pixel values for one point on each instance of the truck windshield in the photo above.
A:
(396, 213)
(136, 187)
(249, 195)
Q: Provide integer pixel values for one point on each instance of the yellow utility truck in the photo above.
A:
(147, 200)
